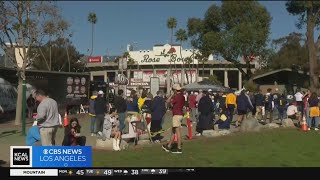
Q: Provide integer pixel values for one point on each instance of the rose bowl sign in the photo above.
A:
(164, 54)
(95, 59)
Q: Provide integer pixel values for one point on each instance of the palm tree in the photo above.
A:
(171, 24)
(130, 60)
(92, 18)
(181, 35)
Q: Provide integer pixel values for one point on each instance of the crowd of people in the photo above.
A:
(208, 110)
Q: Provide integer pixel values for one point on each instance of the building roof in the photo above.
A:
(156, 45)
(48, 72)
(276, 71)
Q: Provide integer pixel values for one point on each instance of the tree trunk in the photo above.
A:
(92, 39)
(18, 118)
(248, 75)
(183, 66)
(313, 75)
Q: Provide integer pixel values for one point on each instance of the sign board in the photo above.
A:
(164, 55)
(154, 85)
(122, 63)
(122, 79)
(77, 87)
(139, 84)
(95, 59)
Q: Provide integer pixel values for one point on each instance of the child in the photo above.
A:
(72, 134)
(111, 129)
(33, 137)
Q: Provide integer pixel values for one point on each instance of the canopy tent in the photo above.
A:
(206, 85)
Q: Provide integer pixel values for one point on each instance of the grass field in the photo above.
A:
(272, 148)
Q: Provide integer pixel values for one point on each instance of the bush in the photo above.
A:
(214, 79)
(251, 86)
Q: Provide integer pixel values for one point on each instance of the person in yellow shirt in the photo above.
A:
(231, 102)
(142, 99)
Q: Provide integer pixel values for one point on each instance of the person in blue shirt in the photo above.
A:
(33, 137)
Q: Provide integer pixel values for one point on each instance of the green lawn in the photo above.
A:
(273, 148)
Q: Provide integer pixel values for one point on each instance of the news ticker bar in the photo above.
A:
(95, 172)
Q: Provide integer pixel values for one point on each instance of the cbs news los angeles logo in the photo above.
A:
(20, 156)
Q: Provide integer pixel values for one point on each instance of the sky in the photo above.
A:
(143, 23)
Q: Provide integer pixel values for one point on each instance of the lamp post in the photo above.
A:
(24, 90)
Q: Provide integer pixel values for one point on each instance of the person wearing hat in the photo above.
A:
(92, 114)
(178, 102)
(33, 137)
(100, 107)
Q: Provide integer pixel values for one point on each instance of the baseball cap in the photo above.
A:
(100, 92)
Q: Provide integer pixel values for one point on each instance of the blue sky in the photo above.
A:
(144, 22)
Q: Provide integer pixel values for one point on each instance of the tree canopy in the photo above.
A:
(292, 50)
(59, 56)
(233, 30)
(309, 15)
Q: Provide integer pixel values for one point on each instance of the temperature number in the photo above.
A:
(107, 172)
(134, 172)
(80, 172)
(163, 171)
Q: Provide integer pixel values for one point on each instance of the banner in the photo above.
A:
(50, 156)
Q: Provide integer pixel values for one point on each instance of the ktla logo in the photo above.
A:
(20, 156)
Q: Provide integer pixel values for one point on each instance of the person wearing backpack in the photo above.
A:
(268, 105)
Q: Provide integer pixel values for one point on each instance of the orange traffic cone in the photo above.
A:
(304, 126)
(65, 120)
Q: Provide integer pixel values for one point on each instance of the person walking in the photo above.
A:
(177, 102)
(231, 102)
(100, 107)
(47, 118)
(243, 105)
(121, 107)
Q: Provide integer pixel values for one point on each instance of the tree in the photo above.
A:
(214, 80)
(292, 51)
(172, 24)
(181, 35)
(57, 51)
(234, 30)
(92, 18)
(21, 25)
(309, 14)
(130, 60)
